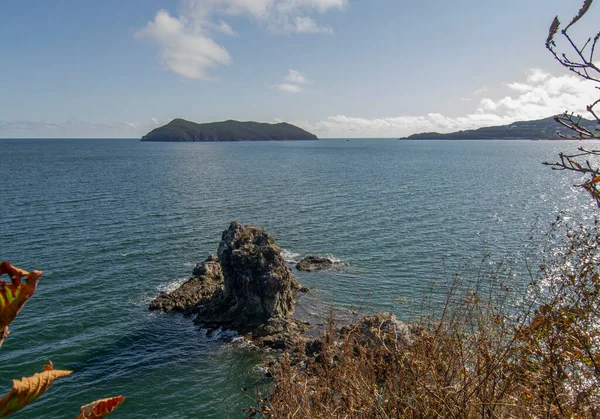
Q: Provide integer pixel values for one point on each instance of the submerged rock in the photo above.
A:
(314, 263)
(200, 289)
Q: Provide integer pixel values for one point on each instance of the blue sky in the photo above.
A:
(339, 68)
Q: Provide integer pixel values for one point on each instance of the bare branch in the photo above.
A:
(584, 67)
(582, 11)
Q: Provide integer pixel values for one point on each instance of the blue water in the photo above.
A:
(113, 222)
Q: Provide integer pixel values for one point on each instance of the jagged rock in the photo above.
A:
(247, 287)
(280, 333)
(205, 268)
(380, 328)
(207, 280)
(258, 285)
(314, 263)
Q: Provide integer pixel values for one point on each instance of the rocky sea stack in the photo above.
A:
(247, 287)
(257, 283)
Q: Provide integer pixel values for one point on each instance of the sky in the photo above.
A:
(338, 68)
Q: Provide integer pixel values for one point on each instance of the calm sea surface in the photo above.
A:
(113, 222)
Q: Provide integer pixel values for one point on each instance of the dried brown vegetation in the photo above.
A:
(485, 352)
(476, 357)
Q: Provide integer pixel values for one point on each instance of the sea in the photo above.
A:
(112, 223)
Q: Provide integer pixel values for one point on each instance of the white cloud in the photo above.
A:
(543, 94)
(289, 88)
(488, 104)
(295, 77)
(186, 44)
(225, 28)
(303, 24)
(184, 49)
(537, 75)
(390, 127)
(204, 9)
(293, 82)
(320, 5)
(540, 95)
(277, 15)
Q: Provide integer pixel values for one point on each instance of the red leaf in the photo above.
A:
(14, 295)
(27, 389)
(100, 408)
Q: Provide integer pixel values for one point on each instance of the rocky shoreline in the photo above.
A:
(248, 287)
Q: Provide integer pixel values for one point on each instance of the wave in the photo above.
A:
(242, 342)
(220, 334)
(289, 256)
(165, 287)
(171, 285)
(332, 258)
(293, 257)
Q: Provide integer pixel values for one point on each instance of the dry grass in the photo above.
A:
(478, 355)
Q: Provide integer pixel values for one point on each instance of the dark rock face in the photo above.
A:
(258, 286)
(247, 287)
(314, 263)
(205, 283)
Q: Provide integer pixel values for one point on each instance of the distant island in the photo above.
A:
(182, 130)
(541, 129)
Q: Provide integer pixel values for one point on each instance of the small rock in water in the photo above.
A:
(314, 263)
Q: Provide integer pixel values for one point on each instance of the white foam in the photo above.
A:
(221, 334)
(332, 258)
(171, 285)
(289, 256)
(242, 342)
(329, 256)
